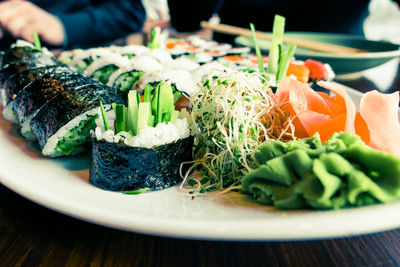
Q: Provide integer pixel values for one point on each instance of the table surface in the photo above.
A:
(31, 235)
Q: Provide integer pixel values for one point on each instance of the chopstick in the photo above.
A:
(314, 45)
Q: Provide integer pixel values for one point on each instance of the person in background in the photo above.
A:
(69, 24)
(339, 16)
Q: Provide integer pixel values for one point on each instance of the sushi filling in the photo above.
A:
(26, 130)
(149, 120)
(72, 142)
(83, 64)
(126, 81)
(102, 75)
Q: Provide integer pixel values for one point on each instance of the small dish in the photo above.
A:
(379, 52)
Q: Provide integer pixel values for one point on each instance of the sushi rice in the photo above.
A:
(149, 137)
(50, 148)
(26, 130)
(9, 114)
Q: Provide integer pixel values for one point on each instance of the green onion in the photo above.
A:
(120, 115)
(103, 115)
(260, 60)
(277, 37)
(36, 40)
(285, 61)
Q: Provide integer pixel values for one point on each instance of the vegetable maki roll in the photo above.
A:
(63, 124)
(20, 58)
(17, 82)
(34, 96)
(132, 50)
(66, 57)
(145, 148)
(103, 67)
(181, 80)
(81, 61)
(124, 79)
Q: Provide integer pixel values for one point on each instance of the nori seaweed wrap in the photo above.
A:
(63, 124)
(118, 167)
(17, 59)
(16, 82)
(35, 95)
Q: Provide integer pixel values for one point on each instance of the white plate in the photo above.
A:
(62, 185)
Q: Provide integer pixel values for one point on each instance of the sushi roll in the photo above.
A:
(132, 50)
(123, 80)
(62, 126)
(103, 67)
(66, 57)
(35, 95)
(185, 63)
(17, 82)
(146, 147)
(181, 80)
(20, 57)
(81, 61)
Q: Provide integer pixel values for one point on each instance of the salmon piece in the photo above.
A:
(300, 71)
(380, 113)
(233, 58)
(173, 44)
(317, 70)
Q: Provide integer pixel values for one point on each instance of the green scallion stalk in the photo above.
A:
(277, 38)
(103, 115)
(260, 60)
(36, 40)
(120, 115)
(285, 61)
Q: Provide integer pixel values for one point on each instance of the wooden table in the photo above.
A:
(31, 235)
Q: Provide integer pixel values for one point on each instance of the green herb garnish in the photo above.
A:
(36, 40)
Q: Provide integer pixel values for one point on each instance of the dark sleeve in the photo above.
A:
(103, 23)
(185, 16)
